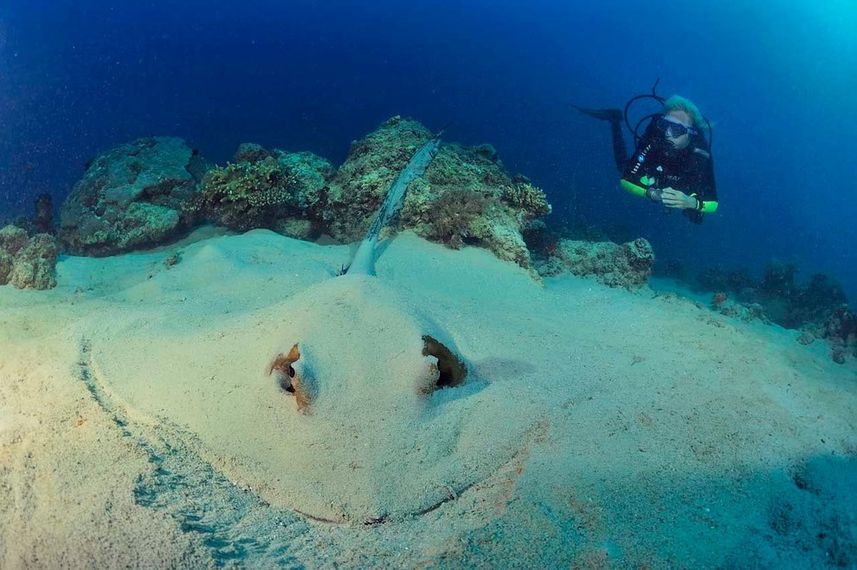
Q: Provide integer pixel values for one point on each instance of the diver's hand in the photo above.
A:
(672, 198)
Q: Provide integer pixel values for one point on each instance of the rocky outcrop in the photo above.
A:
(27, 262)
(840, 330)
(746, 312)
(131, 196)
(627, 265)
(465, 196)
(270, 189)
(142, 193)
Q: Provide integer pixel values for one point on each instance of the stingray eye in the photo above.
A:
(286, 385)
(446, 370)
(290, 380)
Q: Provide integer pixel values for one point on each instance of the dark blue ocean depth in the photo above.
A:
(776, 78)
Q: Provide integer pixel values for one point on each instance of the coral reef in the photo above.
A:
(360, 184)
(627, 265)
(784, 301)
(746, 312)
(496, 210)
(12, 239)
(778, 280)
(133, 195)
(718, 299)
(716, 278)
(142, 193)
(250, 152)
(452, 215)
(818, 308)
(792, 305)
(543, 238)
(840, 330)
(27, 262)
(267, 189)
(465, 196)
(815, 301)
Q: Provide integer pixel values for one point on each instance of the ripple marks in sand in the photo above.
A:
(235, 525)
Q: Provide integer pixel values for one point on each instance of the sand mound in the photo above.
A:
(593, 425)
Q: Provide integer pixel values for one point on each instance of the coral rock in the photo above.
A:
(12, 239)
(361, 183)
(27, 263)
(267, 189)
(464, 197)
(251, 152)
(627, 265)
(132, 196)
(840, 329)
(527, 198)
(6, 261)
(452, 216)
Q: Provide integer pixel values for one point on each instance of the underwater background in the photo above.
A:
(775, 78)
(236, 396)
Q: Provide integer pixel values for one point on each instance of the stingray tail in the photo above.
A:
(364, 259)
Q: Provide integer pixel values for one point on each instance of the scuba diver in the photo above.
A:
(672, 161)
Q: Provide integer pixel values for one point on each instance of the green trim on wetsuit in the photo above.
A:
(705, 207)
(633, 188)
(708, 207)
(653, 166)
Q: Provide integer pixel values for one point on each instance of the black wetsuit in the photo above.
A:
(656, 165)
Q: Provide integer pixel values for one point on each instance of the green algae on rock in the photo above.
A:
(267, 189)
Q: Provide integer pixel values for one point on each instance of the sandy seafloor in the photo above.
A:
(597, 428)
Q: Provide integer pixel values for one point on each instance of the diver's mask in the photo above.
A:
(673, 128)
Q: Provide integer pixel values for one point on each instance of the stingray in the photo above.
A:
(345, 402)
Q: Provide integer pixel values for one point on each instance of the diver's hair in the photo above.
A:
(679, 103)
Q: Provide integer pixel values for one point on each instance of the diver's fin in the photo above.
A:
(612, 115)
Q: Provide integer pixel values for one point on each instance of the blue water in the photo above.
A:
(776, 78)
